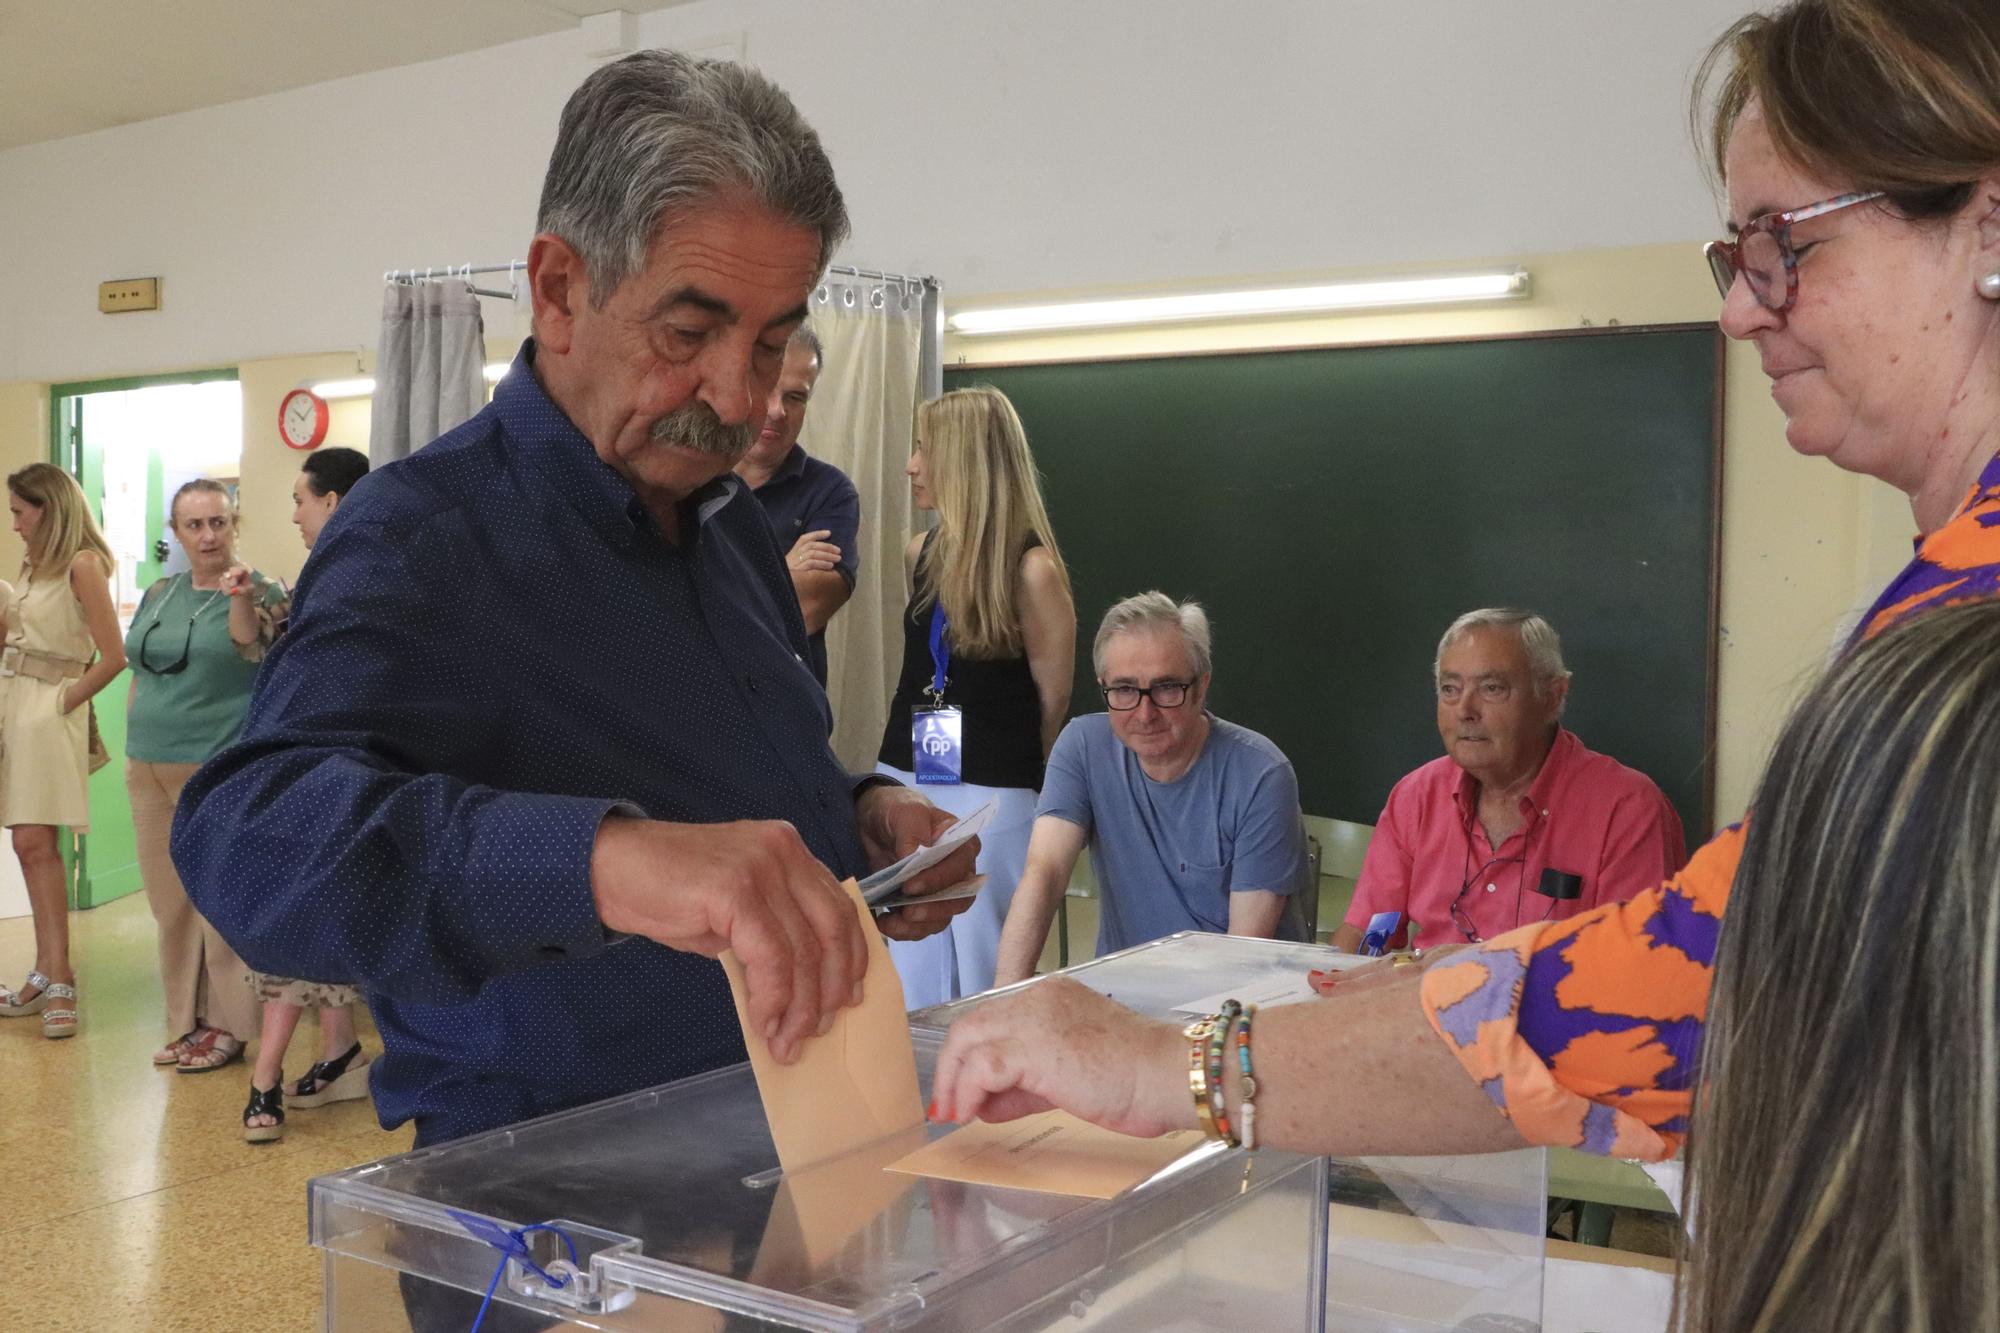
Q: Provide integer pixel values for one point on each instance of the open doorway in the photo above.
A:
(131, 443)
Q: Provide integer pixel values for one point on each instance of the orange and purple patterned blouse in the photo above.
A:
(1586, 1032)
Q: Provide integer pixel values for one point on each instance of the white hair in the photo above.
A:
(1538, 639)
(1155, 611)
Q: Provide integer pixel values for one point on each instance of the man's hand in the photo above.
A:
(812, 551)
(894, 822)
(752, 887)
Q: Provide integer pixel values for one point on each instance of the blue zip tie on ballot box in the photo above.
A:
(512, 1245)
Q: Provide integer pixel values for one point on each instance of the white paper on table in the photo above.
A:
(888, 879)
(1282, 988)
(1582, 1297)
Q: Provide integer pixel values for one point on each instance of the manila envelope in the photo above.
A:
(1051, 1153)
(854, 1086)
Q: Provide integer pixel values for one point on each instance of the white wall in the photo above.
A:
(1024, 146)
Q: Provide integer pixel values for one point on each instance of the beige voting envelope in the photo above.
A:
(1050, 1153)
(854, 1086)
(829, 1209)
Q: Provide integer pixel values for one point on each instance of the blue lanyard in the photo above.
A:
(940, 654)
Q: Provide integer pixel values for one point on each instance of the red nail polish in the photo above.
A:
(931, 1112)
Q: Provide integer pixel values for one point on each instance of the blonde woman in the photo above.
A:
(194, 645)
(62, 648)
(989, 649)
(1843, 1173)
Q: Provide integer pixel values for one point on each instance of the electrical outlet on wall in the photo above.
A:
(122, 294)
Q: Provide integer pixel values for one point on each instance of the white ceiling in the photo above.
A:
(72, 66)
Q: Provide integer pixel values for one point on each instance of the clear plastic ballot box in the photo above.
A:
(1413, 1243)
(677, 1217)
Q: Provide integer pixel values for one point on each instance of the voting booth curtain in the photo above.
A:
(862, 420)
(428, 370)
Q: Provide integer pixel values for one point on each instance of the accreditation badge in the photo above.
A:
(936, 742)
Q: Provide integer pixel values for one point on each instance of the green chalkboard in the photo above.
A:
(1336, 508)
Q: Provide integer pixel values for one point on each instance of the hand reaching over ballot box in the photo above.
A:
(1004, 1060)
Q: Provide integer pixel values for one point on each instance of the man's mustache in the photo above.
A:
(695, 426)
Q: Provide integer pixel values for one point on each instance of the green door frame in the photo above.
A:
(66, 451)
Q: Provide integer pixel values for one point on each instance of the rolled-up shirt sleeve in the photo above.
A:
(334, 842)
(1586, 1032)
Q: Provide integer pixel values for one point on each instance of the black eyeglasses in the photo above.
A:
(1462, 918)
(179, 664)
(1163, 693)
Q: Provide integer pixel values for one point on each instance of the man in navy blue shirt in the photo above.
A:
(814, 509)
(544, 686)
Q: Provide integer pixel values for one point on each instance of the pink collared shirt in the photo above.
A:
(1586, 814)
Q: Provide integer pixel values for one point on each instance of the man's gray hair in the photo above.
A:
(648, 139)
(803, 336)
(1538, 638)
(1155, 611)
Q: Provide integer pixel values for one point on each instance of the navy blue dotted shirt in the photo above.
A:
(490, 648)
(808, 494)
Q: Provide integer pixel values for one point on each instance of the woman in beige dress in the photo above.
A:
(62, 647)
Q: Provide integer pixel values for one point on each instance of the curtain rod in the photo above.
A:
(412, 277)
(869, 273)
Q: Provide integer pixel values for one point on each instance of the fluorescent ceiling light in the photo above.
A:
(363, 386)
(1506, 285)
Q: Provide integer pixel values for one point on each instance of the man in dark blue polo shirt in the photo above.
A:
(540, 741)
(814, 509)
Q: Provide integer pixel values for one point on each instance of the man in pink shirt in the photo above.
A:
(1519, 822)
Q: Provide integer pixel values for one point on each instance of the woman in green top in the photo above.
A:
(194, 646)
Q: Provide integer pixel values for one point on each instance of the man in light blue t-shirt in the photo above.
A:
(1193, 822)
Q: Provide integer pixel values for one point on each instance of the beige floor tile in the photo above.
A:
(128, 1192)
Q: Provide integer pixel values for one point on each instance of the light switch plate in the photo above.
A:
(122, 294)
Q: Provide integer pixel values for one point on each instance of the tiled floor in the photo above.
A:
(128, 1199)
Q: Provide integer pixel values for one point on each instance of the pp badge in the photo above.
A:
(935, 741)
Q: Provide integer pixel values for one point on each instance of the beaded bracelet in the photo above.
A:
(1218, 1046)
(1246, 1111)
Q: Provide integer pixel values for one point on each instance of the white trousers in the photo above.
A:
(960, 959)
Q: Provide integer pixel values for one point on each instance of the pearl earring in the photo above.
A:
(1989, 286)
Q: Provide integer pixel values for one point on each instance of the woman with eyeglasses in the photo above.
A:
(340, 1074)
(61, 649)
(989, 653)
(194, 646)
(1860, 147)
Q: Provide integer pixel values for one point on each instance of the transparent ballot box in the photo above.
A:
(679, 1219)
(1413, 1243)
(1165, 977)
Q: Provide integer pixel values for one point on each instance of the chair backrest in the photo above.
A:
(1346, 847)
(1309, 900)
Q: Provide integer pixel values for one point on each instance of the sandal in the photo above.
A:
(174, 1051)
(211, 1049)
(59, 1023)
(13, 1006)
(339, 1080)
(265, 1101)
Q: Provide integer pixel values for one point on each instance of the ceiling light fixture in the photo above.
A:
(1511, 284)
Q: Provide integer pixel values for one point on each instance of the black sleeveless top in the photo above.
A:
(1002, 735)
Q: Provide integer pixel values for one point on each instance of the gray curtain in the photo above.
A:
(428, 367)
(862, 420)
